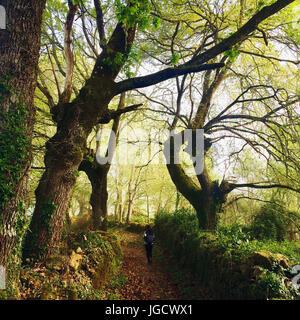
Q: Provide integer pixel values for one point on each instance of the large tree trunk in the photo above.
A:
(64, 153)
(206, 198)
(65, 150)
(205, 202)
(97, 175)
(19, 55)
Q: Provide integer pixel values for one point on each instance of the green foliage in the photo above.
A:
(14, 145)
(175, 58)
(270, 222)
(133, 12)
(76, 173)
(232, 236)
(141, 218)
(156, 22)
(21, 225)
(136, 227)
(113, 296)
(89, 239)
(219, 261)
(78, 1)
(48, 208)
(288, 248)
(133, 60)
(13, 153)
(115, 63)
(232, 53)
(118, 282)
(269, 284)
(293, 29)
(100, 260)
(90, 158)
(260, 4)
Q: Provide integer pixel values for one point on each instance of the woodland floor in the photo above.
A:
(145, 281)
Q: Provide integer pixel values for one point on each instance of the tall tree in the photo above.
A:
(256, 129)
(76, 119)
(97, 173)
(19, 55)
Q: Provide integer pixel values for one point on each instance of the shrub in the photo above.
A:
(222, 261)
(271, 222)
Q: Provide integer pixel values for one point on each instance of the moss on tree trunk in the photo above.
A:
(19, 55)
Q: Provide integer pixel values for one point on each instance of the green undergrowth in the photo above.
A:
(229, 264)
(135, 227)
(87, 261)
(118, 282)
(189, 287)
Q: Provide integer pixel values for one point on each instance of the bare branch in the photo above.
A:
(269, 57)
(260, 186)
(100, 23)
(53, 71)
(85, 32)
(47, 94)
(114, 114)
(66, 95)
(154, 78)
(242, 33)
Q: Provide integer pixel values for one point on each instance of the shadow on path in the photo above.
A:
(144, 281)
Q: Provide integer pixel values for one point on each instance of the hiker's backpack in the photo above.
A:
(149, 238)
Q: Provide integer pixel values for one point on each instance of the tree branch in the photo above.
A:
(269, 57)
(100, 23)
(47, 94)
(53, 71)
(166, 74)
(66, 95)
(196, 64)
(242, 33)
(114, 114)
(233, 186)
(85, 32)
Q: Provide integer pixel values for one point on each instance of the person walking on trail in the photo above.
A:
(148, 239)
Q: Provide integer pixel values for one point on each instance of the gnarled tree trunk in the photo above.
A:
(19, 55)
(206, 198)
(97, 175)
(65, 150)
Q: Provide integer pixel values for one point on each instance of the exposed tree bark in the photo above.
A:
(19, 55)
(66, 94)
(207, 200)
(65, 150)
(97, 175)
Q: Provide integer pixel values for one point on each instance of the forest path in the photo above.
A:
(144, 281)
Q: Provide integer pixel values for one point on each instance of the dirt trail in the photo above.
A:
(144, 281)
